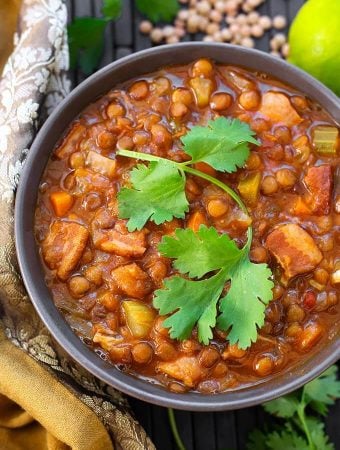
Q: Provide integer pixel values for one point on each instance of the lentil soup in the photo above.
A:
(103, 276)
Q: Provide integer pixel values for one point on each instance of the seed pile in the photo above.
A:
(234, 21)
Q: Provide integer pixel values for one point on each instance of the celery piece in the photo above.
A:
(249, 187)
(325, 139)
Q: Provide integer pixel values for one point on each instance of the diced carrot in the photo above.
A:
(300, 207)
(205, 168)
(61, 202)
(197, 219)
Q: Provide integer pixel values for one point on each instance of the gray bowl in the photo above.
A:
(102, 81)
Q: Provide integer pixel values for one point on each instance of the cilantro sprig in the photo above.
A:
(206, 260)
(223, 144)
(301, 430)
(195, 301)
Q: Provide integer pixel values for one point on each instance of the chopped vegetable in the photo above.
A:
(249, 187)
(325, 139)
(61, 202)
(101, 164)
(195, 301)
(185, 369)
(277, 108)
(202, 88)
(139, 317)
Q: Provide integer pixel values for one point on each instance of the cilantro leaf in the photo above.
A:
(199, 253)
(242, 309)
(284, 407)
(318, 435)
(157, 194)
(325, 388)
(193, 301)
(111, 9)
(287, 439)
(257, 440)
(156, 10)
(86, 40)
(223, 143)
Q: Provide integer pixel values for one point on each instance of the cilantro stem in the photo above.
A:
(174, 429)
(301, 416)
(185, 168)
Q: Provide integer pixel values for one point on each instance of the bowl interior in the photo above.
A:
(120, 71)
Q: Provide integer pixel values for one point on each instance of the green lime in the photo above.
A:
(314, 40)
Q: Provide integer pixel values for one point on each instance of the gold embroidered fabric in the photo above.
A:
(33, 81)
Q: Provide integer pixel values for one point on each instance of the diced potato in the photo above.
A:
(249, 187)
(185, 369)
(300, 207)
(202, 88)
(107, 341)
(100, 164)
(71, 141)
(277, 108)
(139, 317)
(61, 202)
(294, 249)
(132, 280)
(335, 277)
(325, 139)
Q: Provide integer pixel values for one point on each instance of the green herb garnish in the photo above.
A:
(156, 10)
(207, 259)
(301, 430)
(86, 36)
(164, 199)
(194, 302)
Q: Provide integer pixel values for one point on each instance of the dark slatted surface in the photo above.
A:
(199, 431)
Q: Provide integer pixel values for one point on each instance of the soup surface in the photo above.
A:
(103, 277)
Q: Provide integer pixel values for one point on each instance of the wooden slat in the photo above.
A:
(141, 41)
(82, 8)
(124, 26)
(108, 53)
(245, 423)
(225, 429)
(162, 436)
(204, 431)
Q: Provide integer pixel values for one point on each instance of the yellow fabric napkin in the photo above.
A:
(47, 401)
(38, 413)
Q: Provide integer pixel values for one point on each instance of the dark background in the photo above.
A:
(199, 431)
